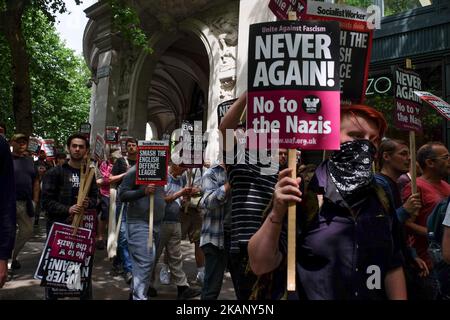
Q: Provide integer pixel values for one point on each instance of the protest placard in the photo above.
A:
(437, 103)
(123, 143)
(99, 146)
(112, 135)
(281, 8)
(60, 228)
(223, 108)
(192, 138)
(293, 83)
(85, 129)
(48, 145)
(407, 106)
(152, 161)
(66, 262)
(355, 45)
(34, 145)
(151, 168)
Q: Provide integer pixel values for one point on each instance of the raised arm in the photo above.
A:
(263, 247)
(232, 117)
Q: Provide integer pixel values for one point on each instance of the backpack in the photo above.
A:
(435, 230)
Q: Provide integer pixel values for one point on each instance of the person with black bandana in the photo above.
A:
(347, 241)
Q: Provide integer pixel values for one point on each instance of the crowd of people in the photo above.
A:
(361, 233)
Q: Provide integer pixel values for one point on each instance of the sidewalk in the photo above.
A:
(23, 286)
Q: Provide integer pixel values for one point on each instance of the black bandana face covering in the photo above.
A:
(351, 167)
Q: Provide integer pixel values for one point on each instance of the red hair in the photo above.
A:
(367, 113)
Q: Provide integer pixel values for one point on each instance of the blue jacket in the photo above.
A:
(7, 201)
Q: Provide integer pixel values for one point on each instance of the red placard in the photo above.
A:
(280, 8)
(437, 103)
(112, 135)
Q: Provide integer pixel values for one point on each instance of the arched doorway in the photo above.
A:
(179, 84)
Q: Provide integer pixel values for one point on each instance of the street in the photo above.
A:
(106, 285)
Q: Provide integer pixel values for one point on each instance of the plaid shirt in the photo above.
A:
(214, 201)
(57, 193)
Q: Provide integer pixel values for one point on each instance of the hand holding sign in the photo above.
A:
(149, 189)
(151, 170)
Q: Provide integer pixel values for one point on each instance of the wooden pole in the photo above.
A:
(292, 232)
(150, 221)
(189, 184)
(412, 147)
(291, 263)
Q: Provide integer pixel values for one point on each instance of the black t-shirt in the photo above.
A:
(120, 166)
(24, 173)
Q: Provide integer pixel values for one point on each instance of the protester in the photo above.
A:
(394, 160)
(191, 222)
(170, 231)
(118, 171)
(60, 190)
(353, 230)
(61, 158)
(7, 209)
(215, 201)
(137, 224)
(27, 193)
(434, 160)
(251, 191)
(103, 183)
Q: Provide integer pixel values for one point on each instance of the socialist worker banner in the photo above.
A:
(355, 45)
(293, 84)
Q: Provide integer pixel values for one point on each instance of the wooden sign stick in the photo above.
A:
(150, 221)
(292, 232)
(291, 267)
(189, 184)
(412, 148)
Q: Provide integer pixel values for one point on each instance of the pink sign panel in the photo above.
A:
(303, 119)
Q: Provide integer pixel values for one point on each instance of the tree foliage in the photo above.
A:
(58, 77)
(126, 21)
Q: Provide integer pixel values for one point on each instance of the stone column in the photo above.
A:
(250, 11)
(103, 110)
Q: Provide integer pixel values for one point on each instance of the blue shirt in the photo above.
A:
(172, 211)
(214, 201)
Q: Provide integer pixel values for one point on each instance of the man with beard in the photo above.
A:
(350, 239)
(60, 190)
(434, 159)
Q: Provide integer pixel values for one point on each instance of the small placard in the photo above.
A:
(152, 162)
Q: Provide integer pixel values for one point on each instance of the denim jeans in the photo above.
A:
(142, 258)
(122, 244)
(215, 264)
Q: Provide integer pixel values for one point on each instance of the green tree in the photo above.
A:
(58, 79)
(12, 21)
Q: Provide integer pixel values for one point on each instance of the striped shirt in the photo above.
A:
(251, 191)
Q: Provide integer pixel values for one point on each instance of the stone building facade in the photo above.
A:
(198, 61)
